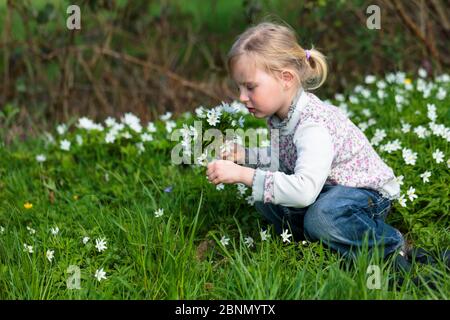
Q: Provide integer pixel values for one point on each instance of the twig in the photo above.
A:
(440, 11)
(64, 85)
(6, 34)
(98, 94)
(167, 73)
(413, 27)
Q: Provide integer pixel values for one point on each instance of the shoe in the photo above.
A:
(420, 255)
(446, 258)
(400, 262)
(427, 281)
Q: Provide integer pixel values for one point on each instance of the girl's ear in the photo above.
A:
(288, 78)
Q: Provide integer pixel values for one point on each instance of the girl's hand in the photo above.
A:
(236, 154)
(225, 171)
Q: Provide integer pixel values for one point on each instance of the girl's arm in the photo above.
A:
(249, 157)
(315, 153)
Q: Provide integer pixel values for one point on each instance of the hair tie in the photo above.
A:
(308, 54)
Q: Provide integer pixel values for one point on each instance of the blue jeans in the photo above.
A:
(343, 218)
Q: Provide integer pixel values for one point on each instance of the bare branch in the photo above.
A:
(416, 31)
(146, 64)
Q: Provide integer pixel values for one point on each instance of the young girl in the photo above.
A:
(333, 186)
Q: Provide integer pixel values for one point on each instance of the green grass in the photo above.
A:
(99, 192)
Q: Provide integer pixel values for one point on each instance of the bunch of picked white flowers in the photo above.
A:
(208, 123)
(220, 128)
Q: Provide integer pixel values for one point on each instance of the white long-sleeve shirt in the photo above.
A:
(318, 145)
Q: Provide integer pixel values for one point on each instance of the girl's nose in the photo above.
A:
(243, 97)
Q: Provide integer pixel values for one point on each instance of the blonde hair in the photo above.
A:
(275, 47)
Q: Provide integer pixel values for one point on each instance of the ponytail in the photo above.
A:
(317, 72)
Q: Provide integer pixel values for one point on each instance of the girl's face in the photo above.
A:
(262, 93)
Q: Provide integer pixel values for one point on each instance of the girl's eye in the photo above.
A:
(249, 88)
